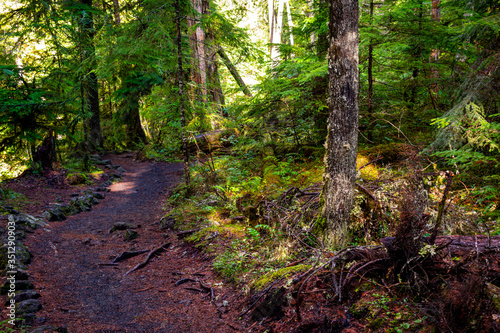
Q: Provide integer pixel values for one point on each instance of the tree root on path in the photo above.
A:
(149, 256)
(128, 254)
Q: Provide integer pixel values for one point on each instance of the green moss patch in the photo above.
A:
(272, 276)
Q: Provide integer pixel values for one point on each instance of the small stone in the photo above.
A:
(167, 222)
(98, 195)
(130, 235)
(123, 226)
(43, 329)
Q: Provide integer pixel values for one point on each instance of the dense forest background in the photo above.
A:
(238, 90)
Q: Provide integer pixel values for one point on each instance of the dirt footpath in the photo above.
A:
(81, 288)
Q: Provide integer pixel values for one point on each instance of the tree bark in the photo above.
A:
(370, 77)
(180, 81)
(342, 139)
(233, 71)
(90, 84)
(214, 87)
(436, 16)
(197, 43)
(129, 110)
(278, 29)
(116, 12)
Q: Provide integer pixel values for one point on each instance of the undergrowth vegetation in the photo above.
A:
(254, 212)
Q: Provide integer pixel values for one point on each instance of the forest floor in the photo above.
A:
(80, 288)
(84, 290)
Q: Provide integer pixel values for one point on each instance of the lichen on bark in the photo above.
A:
(342, 140)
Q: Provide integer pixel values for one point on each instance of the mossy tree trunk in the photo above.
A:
(90, 84)
(342, 139)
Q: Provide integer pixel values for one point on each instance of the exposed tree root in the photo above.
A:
(149, 256)
(128, 254)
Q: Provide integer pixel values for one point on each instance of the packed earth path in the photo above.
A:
(83, 290)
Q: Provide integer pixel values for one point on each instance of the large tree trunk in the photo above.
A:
(214, 87)
(46, 153)
(197, 43)
(90, 85)
(342, 139)
(129, 111)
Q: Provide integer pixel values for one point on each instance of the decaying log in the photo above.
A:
(149, 256)
(209, 141)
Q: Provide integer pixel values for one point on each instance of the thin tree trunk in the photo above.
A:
(233, 71)
(310, 7)
(116, 12)
(270, 12)
(180, 81)
(342, 139)
(436, 16)
(289, 19)
(370, 77)
(278, 29)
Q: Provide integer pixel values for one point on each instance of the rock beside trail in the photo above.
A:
(28, 306)
(167, 222)
(122, 226)
(24, 220)
(56, 213)
(19, 285)
(130, 235)
(23, 296)
(78, 204)
(50, 329)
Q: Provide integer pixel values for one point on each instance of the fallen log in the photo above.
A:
(209, 141)
(458, 246)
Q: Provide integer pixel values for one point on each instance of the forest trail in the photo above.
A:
(82, 291)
